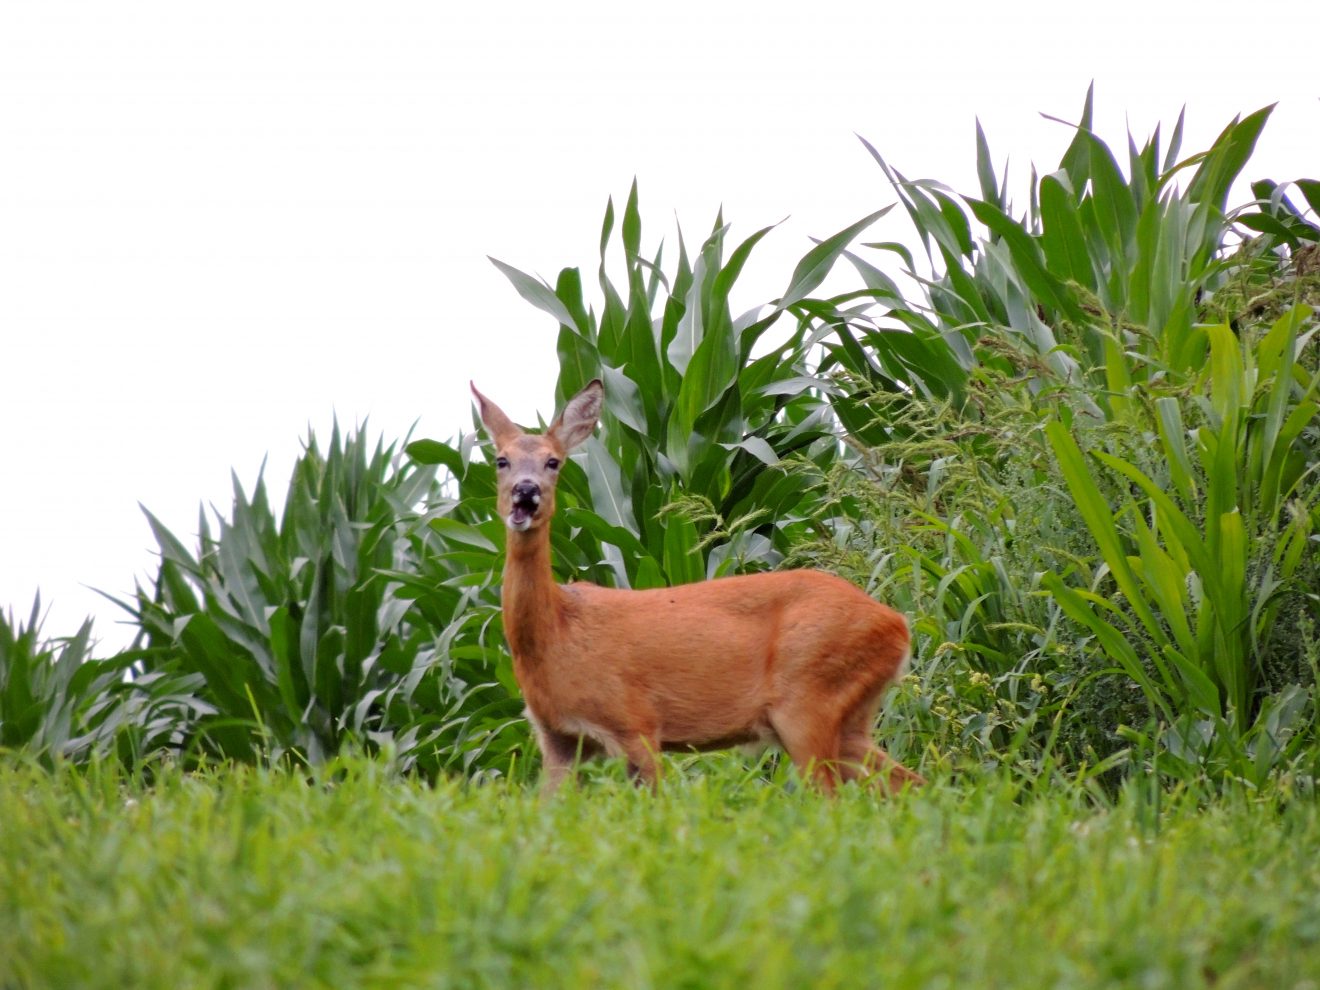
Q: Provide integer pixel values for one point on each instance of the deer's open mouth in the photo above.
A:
(525, 507)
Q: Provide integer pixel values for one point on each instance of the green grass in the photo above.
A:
(256, 878)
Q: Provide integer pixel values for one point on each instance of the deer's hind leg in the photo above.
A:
(862, 760)
(643, 755)
(812, 743)
(560, 753)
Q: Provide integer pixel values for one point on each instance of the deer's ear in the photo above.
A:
(498, 426)
(579, 417)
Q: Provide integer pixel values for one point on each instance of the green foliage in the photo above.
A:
(1086, 315)
(303, 632)
(56, 701)
(1098, 283)
(955, 526)
(1204, 561)
(687, 477)
(1081, 456)
(1279, 218)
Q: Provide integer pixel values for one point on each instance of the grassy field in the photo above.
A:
(360, 878)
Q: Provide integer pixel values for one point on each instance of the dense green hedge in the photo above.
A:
(1079, 449)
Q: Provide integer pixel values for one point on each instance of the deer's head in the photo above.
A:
(527, 464)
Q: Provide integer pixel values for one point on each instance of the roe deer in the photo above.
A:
(795, 658)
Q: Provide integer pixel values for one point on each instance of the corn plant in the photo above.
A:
(1280, 219)
(56, 700)
(297, 637)
(1201, 564)
(1098, 281)
(1088, 306)
(704, 410)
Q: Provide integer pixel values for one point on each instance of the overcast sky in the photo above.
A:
(221, 224)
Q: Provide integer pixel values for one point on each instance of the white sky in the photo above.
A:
(223, 223)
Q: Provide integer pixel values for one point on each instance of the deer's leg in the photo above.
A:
(812, 743)
(560, 752)
(643, 755)
(864, 761)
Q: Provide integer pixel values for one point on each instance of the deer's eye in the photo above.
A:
(501, 462)
(552, 464)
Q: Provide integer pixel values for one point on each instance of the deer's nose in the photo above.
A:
(527, 491)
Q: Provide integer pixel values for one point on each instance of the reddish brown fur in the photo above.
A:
(797, 658)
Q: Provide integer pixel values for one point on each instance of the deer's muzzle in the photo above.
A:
(526, 502)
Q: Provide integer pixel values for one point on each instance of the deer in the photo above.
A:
(797, 659)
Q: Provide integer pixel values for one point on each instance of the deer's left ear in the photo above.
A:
(579, 417)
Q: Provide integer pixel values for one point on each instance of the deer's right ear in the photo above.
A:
(579, 417)
(497, 425)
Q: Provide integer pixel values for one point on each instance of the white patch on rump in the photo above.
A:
(904, 666)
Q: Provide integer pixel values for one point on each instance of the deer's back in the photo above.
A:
(733, 648)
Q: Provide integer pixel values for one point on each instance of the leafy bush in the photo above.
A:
(1081, 455)
(1204, 561)
(687, 477)
(691, 473)
(57, 702)
(301, 633)
(1086, 315)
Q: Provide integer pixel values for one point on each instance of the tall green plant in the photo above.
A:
(58, 702)
(1088, 306)
(301, 636)
(706, 412)
(1203, 563)
(1098, 281)
(704, 409)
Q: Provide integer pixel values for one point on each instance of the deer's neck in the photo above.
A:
(533, 603)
